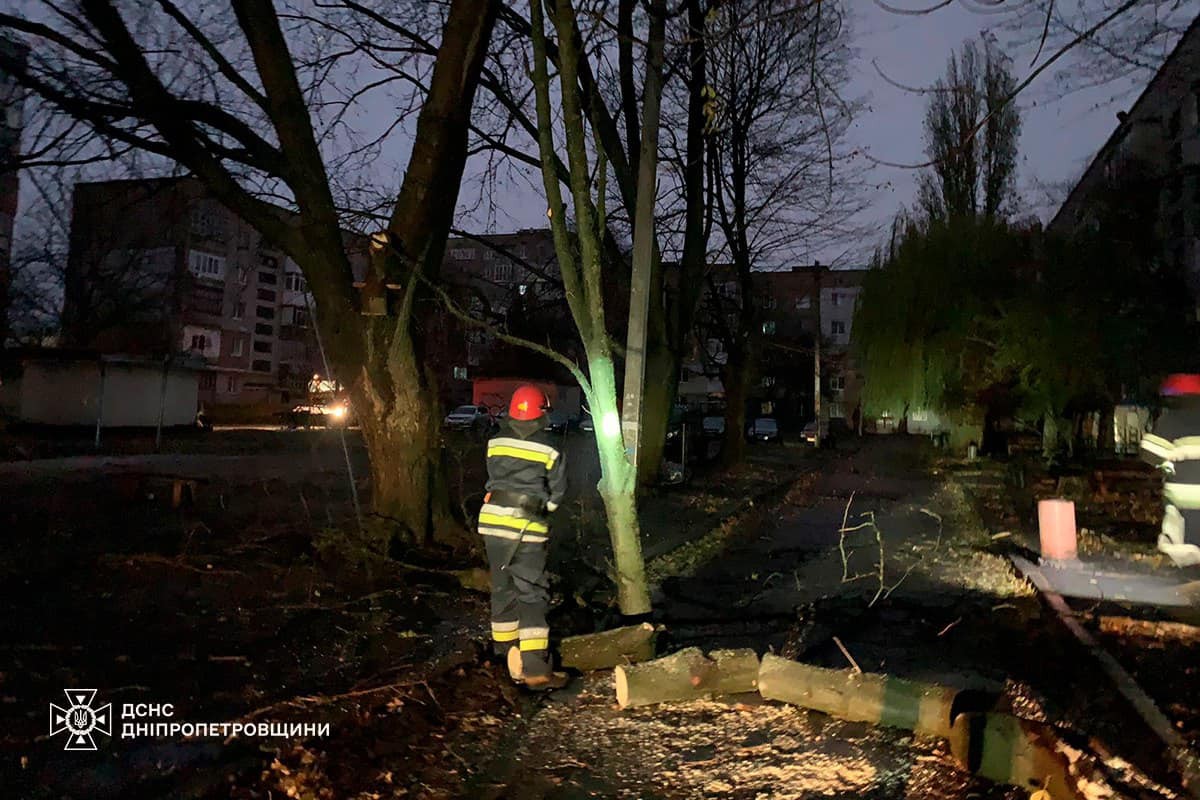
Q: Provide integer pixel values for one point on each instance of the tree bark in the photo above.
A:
(860, 697)
(399, 414)
(671, 323)
(658, 400)
(581, 264)
(686, 675)
(736, 379)
(607, 649)
(618, 492)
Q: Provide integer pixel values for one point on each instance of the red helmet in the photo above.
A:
(1181, 384)
(528, 402)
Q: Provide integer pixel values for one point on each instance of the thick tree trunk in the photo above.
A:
(686, 675)
(397, 407)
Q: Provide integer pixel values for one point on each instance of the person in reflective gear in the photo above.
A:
(526, 481)
(1174, 447)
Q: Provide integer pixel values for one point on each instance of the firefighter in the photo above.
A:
(1174, 447)
(526, 481)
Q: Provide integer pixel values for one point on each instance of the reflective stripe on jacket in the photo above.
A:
(1175, 446)
(522, 459)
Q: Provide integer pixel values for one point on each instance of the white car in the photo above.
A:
(465, 418)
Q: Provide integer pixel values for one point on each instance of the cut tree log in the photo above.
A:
(609, 649)
(923, 708)
(1018, 752)
(686, 675)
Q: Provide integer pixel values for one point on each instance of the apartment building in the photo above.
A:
(11, 125)
(1160, 133)
(511, 281)
(789, 305)
(159, 266)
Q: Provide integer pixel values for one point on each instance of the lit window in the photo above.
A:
(768, 328)
(460, 373)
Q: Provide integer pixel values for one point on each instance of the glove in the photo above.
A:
(551, 507)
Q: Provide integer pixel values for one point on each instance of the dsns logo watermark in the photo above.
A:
(80, 719)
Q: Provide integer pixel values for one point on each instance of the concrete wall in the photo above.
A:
(68, 393)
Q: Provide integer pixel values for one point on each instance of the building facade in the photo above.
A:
(159, 266)
(11, 125)
(512, 282)
(793, 309)
(1160, 134)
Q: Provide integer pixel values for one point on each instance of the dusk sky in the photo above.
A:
(1059, 137)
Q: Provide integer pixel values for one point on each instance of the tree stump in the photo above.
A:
(686, 675)
(609, 649)
(860, 697)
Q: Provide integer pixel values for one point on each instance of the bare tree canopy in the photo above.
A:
(239, 98)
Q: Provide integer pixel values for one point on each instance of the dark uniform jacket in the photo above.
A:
(526, 480)
(1175, 445)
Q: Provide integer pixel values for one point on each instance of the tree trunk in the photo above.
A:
(397, 407)
(608, 649)
(686, 675)
(618, 490)
(736, 379)
(658, 400)
(860, 697)
(671, 324)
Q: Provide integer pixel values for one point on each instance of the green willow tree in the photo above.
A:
(229, 100)
(923, 325)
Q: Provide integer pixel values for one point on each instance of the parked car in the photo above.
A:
(558, 421)
(764, 429)
(465, 418)
(809, 434)
(713, 426)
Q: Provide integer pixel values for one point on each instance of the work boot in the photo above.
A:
(548, 682)
(515, 668)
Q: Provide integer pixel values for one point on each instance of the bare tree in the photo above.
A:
(781, 181)
(226, 97)
(581, 254)
(973, 167)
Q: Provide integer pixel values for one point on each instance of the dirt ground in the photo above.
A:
(1118, 510)
(252, 596)
(253, 604)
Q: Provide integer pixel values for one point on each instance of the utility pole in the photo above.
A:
(817, 333)
(643, 241)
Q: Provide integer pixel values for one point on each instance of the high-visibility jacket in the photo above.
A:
(526, 480)
(1175, 447)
